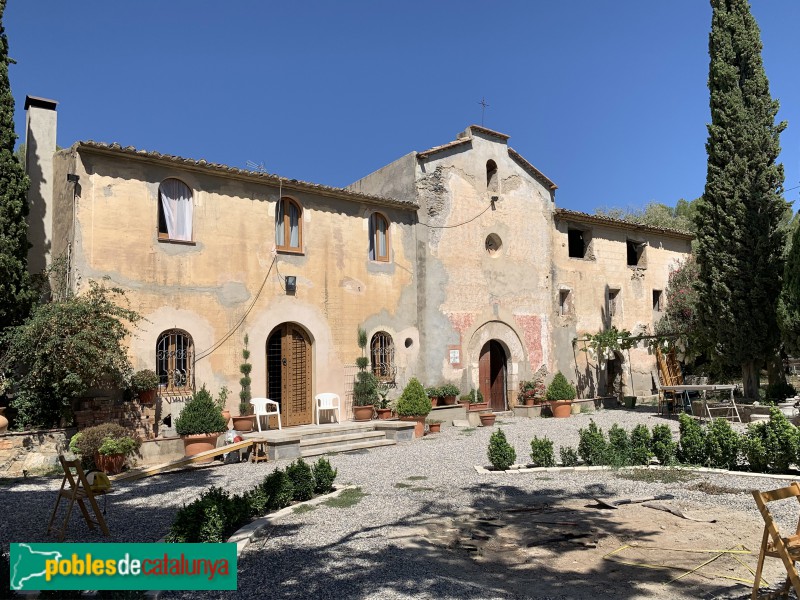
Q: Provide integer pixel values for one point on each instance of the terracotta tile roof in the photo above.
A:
(574, 215)
(288, 184)
(443, 147)
(537, 174)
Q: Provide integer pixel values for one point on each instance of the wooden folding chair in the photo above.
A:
(776, 546)
(80, 491)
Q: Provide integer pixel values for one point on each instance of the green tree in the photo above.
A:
(16, 294)
(740, 241)
(655, 214)
(789, 300)
(62, 350)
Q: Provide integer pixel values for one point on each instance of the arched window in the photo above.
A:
(174, 210)
(174, 361)
(381, 350)
(378, 238)
(289, 226)
(491, 176)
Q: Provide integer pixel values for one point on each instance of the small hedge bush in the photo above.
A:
(692, 448)
(568, 455)
(302, 478)
(542, 452)
(560, 388)
(216, 514)
(501, 453)
(200, 415)
(592, 446)
(663, 446)
(722, 445)
(324, 474)
(771, 446)
(640, 447)
(414, 402)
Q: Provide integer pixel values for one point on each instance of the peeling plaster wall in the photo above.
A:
(464, 286)
(590, 279)
(208, 286)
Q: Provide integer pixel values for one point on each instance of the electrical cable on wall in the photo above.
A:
(458, 224)
(209, 351)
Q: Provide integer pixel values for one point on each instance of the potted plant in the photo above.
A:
(246, 421)
(433, 394)
(561, 393)
(382, 408)
(221, 401)
(105, 447)
(414, 405)
(144, 384)
(476, 402)
(487, 418)
(449, 392)
(200, 424)
(365, 386)
(434, 426)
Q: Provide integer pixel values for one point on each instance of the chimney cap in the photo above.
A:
(37, 102)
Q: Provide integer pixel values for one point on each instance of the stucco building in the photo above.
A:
(455, 260)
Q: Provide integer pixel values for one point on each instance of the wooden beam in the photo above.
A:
(135, 474)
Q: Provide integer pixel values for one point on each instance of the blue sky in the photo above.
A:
(607, 97)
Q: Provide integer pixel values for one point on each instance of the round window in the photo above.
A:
(493, 244)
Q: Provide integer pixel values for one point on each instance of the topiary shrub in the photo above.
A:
(324, 476)
(722, 445)
(279, 490)
(568, 455)
(542, 452)
(771, 446)
(618, 446)
(592, 447)
(663, 446)
(414, 402)
(302, 478)
(692, 448)
(560, 388)
(501, 453)
(639, 452)
(200, 416)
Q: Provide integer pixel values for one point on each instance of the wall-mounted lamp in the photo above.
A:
(72, 178)
(291, 284)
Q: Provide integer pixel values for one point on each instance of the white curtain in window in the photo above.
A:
(381, 234)
(372, 238)
(176, 203)
(294, 226)
(279, 239)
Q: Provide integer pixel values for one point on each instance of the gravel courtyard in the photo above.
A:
(394, 542)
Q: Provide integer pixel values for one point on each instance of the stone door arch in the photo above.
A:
(503, 354)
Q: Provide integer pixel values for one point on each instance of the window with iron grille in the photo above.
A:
(382, 356)
(174, 362)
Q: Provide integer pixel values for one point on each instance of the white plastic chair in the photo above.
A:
(328, 401)
(264, 407)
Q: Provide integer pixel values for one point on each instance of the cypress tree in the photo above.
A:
(789, 301)
(740, 242)
(15, 284)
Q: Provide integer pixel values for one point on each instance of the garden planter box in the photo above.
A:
(478, 406)
(110, 464)
(609, 401)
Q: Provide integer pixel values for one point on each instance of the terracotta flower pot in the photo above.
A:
(110, 464)
(434, 427)
(449, 400)
(487, 419)
(226, 414)
(201, 442)
(419, 427)
(477, 406)
(363, 413)
(561, 409)
(244, 423)
(434, 401)
(384, 413)
(148, 396)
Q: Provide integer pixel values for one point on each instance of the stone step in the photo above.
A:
(336, 439)
(345, 447)
(346, 428)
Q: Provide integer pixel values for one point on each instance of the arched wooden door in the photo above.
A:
(289, 373)
(492, 375)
